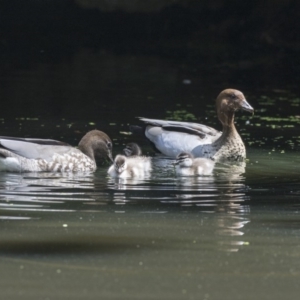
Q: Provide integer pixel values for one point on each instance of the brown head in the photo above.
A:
(97, 145)
(228, 102)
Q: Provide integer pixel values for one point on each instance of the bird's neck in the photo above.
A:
(226, 118)
(229, 130)
(88, 151)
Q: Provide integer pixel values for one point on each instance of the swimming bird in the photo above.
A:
(187, 165)
(173, 137)
(133, 166)
(46, 155)
(132, 149)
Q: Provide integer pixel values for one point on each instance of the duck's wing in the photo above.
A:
(34, 148)
(185, 127)
(173, 137)
(36, 141)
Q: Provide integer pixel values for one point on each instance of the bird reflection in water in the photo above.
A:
(44, 191)
(224, 196)
(219, 200)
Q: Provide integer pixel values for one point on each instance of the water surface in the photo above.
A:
(232, 235)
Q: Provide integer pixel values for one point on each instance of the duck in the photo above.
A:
(132, 149)
(133, 166)
(46, 155)
(173, 137)
(187, 165)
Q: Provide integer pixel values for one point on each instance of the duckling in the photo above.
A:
(134, 166)
(46, 155)
(187, 165)
(173, 137)
(132, 149)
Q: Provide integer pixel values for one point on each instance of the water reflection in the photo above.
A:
(42, 192)
(161, 232)
(223, 194)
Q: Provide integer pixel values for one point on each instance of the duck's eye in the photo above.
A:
(109, 145)
(232, 96)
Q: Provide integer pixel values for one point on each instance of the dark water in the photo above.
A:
(232, 235)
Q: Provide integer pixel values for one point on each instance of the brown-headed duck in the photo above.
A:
(45, 155)
(173, 137)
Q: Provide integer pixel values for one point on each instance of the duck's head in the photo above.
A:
(184, 160)
(228, 102)
(120, 163)
(132, 149)
(97, 145)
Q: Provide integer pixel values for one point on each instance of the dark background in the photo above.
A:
(106, 62)
(228, 30)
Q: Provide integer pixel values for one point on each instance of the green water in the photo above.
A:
(232, 235)
(215, 237)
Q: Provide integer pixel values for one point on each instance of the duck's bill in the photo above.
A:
(109, 155)
(244, 105)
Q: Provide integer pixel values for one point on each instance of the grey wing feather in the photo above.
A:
(188, 127)
(33, 150)
(184, 129)
(35, 140)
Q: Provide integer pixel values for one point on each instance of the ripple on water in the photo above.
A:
(68, 192)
